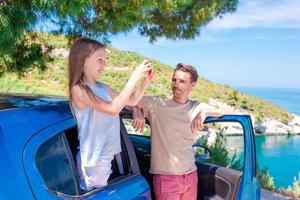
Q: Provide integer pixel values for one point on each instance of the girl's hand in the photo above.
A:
(150, 73)
(149, 77)
(142, 70)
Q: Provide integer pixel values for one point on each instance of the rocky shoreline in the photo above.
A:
(266, 126)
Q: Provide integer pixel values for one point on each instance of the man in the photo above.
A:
(173, 121)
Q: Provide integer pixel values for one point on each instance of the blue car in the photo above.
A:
(39, 143)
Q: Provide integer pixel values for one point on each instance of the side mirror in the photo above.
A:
(202, 152)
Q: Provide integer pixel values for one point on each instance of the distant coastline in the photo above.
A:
(287, 98)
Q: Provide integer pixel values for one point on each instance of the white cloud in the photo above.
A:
(261, 13)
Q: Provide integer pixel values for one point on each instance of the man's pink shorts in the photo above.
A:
(176, 187)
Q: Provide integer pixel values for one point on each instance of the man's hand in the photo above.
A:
(138, 120)
(198, 122)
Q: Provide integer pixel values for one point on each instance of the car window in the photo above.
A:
(56, 166)
(226, 141)
(56, 158)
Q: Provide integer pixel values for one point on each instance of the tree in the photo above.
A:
(99, 19)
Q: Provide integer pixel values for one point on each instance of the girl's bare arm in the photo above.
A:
(80, 96)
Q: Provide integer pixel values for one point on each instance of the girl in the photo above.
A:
(96, 107)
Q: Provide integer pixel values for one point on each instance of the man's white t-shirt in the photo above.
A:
(171, 134)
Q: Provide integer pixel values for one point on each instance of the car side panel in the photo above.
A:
(16, 127)
(135, 188)
(12, 180)
(131, 187)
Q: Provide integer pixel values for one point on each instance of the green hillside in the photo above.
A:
(119, 66)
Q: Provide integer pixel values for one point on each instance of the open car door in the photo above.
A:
(217, 182)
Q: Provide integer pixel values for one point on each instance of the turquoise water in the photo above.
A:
(285, 98)
(280, 154)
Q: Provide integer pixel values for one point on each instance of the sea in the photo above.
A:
(287, 98)
(279, 154)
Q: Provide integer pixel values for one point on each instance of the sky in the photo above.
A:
(256, 46)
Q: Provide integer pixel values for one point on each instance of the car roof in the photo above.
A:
(18, 100)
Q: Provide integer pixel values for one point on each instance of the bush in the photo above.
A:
(233, 98)
(293, 191)
(220, 154)
(295, 188)
(266, 180)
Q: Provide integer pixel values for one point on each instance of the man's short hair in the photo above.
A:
(188, 68)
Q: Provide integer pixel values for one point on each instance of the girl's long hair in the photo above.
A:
(80, 50)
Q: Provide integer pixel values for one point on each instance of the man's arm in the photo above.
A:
(142, 110)
(198, 121)
(138, 118)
